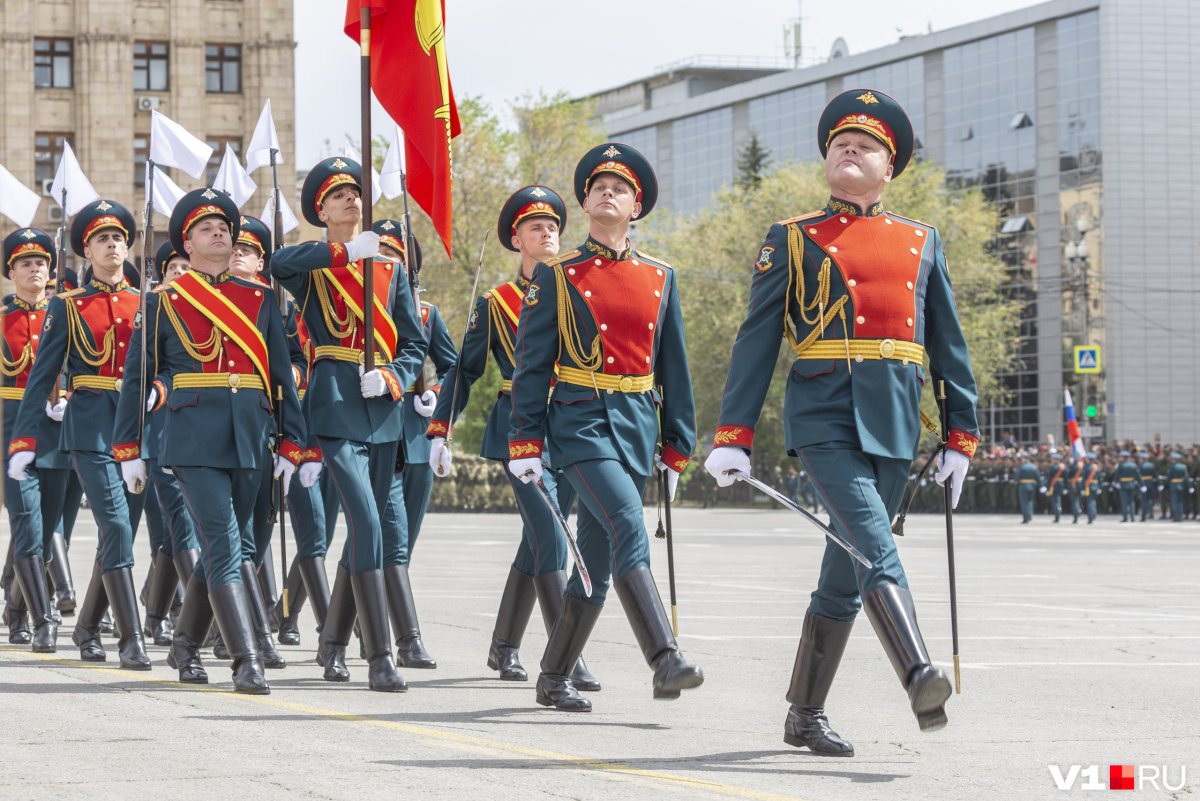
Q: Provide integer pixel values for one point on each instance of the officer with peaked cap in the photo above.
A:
(1127, 477)
(1089, 485)
(861, 295)
(1029, 481)
(1178, 483)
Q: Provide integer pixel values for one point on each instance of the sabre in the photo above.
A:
(830, 534)
(466, 330)
(950, 538)
(562, 521)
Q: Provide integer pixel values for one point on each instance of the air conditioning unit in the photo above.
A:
(148, 103)
(48, 187)
(54, 214)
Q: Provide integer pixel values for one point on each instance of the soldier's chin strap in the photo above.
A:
(914, 485)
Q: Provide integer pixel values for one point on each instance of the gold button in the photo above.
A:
(610, 391)
(651, 328)
(910, 285)
(611, 359)
(603, 326)
(860, 319)
(647, 360)
(886, 220)
(80, 302)
(887, 348)
(852, 283)
(658, 272)
(121, 344)
(657, 294)
(118, 384)
(587, 293)
(571, 271)
(598, 262)
(904, 362)
(858, 357)
(910, 322)
(120, 369)
(257, 293)
(920, 232)
(635, 262)
(118, 319)
(626, 384)
(833, 248)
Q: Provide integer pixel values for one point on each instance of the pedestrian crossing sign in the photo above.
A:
(1087, 358)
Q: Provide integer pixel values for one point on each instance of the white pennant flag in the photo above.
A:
(258, 154)
(70, 177)
(376, 189)
(232, 179)
(172, 146)
(393, 168)
(17, 201)
(290, 223)
(166, 192)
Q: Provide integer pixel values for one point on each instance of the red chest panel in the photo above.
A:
(233, 358)
(103, 311)
(23, 327)
(880, 261)
(625, 298)
(381, 286)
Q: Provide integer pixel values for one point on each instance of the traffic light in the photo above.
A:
(1090, 411)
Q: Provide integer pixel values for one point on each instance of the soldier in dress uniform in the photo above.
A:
(216, 350)
(1056, 483)
(1091, 478)
(862, 295)
(355, 416)
(1029, 481)
(1074, 473)
(90, 328)
(1178, 484)
(1127, 478)
(609, 316)
(530, 222)
(1149, 485)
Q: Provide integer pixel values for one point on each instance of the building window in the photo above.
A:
(151, 62)
(217, 143)
(53, 63)
(47, 150)
(141, 154)
(223, 68)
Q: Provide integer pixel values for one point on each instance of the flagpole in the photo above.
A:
(281, 298)
(60, 286)
(146, 270)
(368, 162)
(410, 262)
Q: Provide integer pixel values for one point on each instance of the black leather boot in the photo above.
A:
(161, 594)
(890, 610)
(122, 599)
(106, 623)
(231, 606)
(87, 624)
(316, 587)
(16, 613)
(59, 570)
(373, 620)
(261, 624)
(266, 586)
(185, 566)
(516, 605)
(571, 631)
(551, 588)
(31, 578)
(288, 625)
(195, 619)
(339, 625)
(822, 643)
(410, 651)
(644, 608)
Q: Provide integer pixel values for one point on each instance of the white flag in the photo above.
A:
(166, 192)
(290, 223)
(70, 177)
(17, 201)
(232, 179)
(393, 168)
(376, 189)
(258, 154)
(172, 146)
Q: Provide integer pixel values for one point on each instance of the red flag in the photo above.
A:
(410, 76)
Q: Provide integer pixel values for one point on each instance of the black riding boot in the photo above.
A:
(59, 569)
(267, 588)
(410, 651)
(160, 596)
(822, 643)
(571, 631)
(890, 610)
(16, 613)
(339, 625)
(373, 620)
(516, 605)
(31, 578)
(316, 587)
(185, 565)
(646, 614)
(261, 624)
(288, 625)
(231, 606)
(122, 599)
(550, 590)
(195, 619)
(87, 624)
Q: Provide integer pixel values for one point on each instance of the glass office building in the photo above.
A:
(1052, 112)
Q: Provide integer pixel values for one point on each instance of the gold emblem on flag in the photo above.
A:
(612, 151)
(867, 98)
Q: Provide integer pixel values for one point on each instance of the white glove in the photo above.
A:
(371, 384)
(309, 473)
(724, 459)
(528, 470)
(439, 457)
(1042, 490)
(954, 465)
(364, 245)
(284, 469)
(425, 403)
(56, 411)
(133, 473)
(152, 399)
(672, 476)
(17, 464)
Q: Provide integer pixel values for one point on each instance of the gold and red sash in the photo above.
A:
(218, 310)
(508, 297)
(349, 285)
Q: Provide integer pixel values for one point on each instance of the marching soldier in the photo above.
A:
(1029, 481)
(216, 347)
(1056, 484)
(1178, 481)
(355, 416)
(609, 316)
(1149, 487)
(1072, 488)
(1089, 485)
(529, 224)
(90, 328)
(862, 295)
(1127, 477)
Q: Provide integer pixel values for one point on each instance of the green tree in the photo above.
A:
(753, 162)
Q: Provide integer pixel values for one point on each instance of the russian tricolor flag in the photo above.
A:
(1073, 427)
